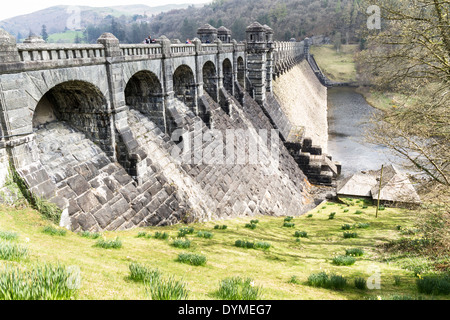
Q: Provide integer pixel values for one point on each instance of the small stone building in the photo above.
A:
(396, 188)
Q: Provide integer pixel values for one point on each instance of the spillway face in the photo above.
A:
(234, 165)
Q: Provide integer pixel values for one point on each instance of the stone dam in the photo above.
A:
(130, 135)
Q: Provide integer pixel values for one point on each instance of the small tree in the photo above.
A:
(44, 33)
(337, 42)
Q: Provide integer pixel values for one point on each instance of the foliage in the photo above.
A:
(205, 234)
(262, 245)
(350, 235)
(90, 235)
(167, 289)
(343, 260)
(288, 224)
(301, 234)
(184, 231)
(50, 230)
(237, 288)
(12, 251)
(192, 259)
(331, 216)
(8, 235)
(220, 227)
(244, 244)
(161, 235)
(323, 280)
(250, 225)
(143, 273)
(42, 282)
(109, 244)
(356, 252)
(183, 244)
(361, 283)
(436, 285)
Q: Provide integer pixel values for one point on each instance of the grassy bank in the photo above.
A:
(286, 256)
(337, 66)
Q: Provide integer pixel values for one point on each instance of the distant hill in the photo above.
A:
(58, 18)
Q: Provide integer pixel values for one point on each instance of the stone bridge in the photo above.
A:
(89, 127)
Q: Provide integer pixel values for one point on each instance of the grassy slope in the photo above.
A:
(105, 271)
(338, 67)
(64, 37)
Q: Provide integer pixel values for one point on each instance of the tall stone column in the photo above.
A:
(257, 60)
(270, 58)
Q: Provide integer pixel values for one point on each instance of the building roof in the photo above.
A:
(395, 186)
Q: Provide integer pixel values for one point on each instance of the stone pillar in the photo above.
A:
(270, 58)
(8, 48)
(257, 60)
(306, 48)
(224, 34)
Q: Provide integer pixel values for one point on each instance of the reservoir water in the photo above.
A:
(348, 113)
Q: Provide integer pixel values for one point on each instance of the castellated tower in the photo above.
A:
(259, 59)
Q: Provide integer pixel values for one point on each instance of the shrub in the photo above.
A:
(192, 259)
(184, 231)
(12, 251)
(142, 235)
(294, 280)
(250, 225)
(346, 227)
(218, 227)
(8, 235)
(350, 235)
(309, 215)
(324, 207)
(343, 260)
(109, 244)
(204, 234)
(331, 216)
(356, 252)
(435, 285)
(54, 231)
(90, 235)
(262, 245)
(319, 280)
(183, 244)
(301, 234)
(167, 289)
(42, 282)
(358, 212)
(161, 235)
(288, 219)
(237, 288)
(337, 282)
(346, 210)
(361, 283)
(288, 224)
(142, 273)
(254, 221)
(244, 244)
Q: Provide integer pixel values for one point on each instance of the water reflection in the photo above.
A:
(348, 113)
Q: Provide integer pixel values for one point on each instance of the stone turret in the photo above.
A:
(32, 38)
(8, 48)
(257, 60)
(224, 34)
(207, 33)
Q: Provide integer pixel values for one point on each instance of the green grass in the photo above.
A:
(12, 251)
(336, 66)
(192, 259)
(50, 230)
(143, 273)
(343, 260)
(64, 37)
(8, 235)
(109, 244)
(106, 275)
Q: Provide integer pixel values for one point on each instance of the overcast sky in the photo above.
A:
(19, 7)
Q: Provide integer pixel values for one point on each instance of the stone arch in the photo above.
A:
(184, 86)
(241, 71)
(80, 104)
(210, 82)
(144, 93)
(227, 75)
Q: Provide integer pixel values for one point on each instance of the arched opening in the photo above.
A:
(144, 94)
(228, 75)
(210, 79)
(241, 72)
(184, 86)
(82, 105)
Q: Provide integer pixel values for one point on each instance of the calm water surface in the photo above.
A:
(348, 113)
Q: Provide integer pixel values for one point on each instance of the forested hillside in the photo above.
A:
(288, 18)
